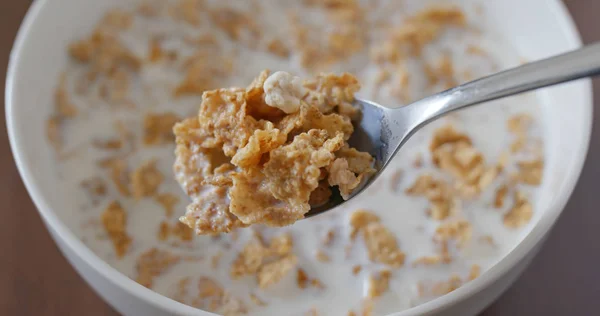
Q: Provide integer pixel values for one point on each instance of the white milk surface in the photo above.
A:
(405, 216)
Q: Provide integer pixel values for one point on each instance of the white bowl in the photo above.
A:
(536, 28)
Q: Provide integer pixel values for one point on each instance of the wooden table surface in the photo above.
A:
(564, 278)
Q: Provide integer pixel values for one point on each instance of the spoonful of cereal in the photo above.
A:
(284, 148)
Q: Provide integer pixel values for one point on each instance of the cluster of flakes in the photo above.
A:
(108, 69)
(345, 34)
(111, 65)
(142, 182)
(406, 42)
(207, 65)
(382, 247)
(454, 154)
(464, 176)
(381, 244)
(153, 263)
(268, 263)
(266, 153)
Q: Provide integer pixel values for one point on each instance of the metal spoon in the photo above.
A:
(382, 131)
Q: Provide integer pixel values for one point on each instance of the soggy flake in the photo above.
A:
(521, 212)
(158, 128)
(273, 272)
(146, 179)
(114, 220)
(152, 263)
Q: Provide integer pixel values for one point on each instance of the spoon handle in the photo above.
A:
(583, 62)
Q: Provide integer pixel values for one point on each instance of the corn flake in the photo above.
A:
(114, 220)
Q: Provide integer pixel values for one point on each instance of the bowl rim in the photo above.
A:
(171, 306)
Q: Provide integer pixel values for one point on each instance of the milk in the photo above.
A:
(404, 215)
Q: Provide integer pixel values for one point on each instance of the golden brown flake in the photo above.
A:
(411, 37)
(320, 48)
(382, 76)
(163, 231)
(501, 193)
(146, 179)
(329, 237)
(281, 245)
(116, 87)
(257, 300)
(109, 144)
(460, 231)
(321, 256)
(382, 245)
(454, 153)
(378, 284)
(187, 11)
(149, 8)
(178, 229)
(210, 294)
(234, 23)
(474, 272)
(307, 153)
(488, 240)
(118, 174)
(203, 69)
(441, 73)
(477, 51)
(530, 172)
(301, 278)
(317, 284)
(103, 52)
(519, 124)
(153, 263)
(521, 212)
(167, 201)
(428, 260)
(182, 289)
(276, 47)
(210, 214)
(249, 260)
(320, 195)
(232, 306)
(446, 287)
(454, 282)
(182, 231)
(53, 133)
(63, 105)
(447, 135)
(438, 192)
(205, 39)
(117, 19)
(158, 128)
(273, 272)
(359, 220)
(95, 187)
(114, 220)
